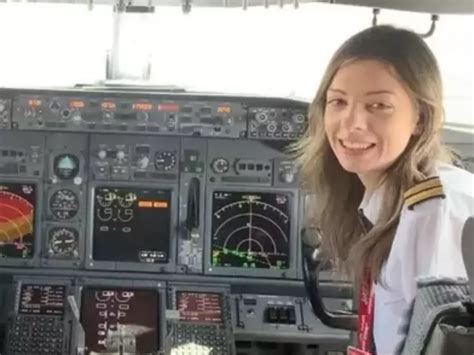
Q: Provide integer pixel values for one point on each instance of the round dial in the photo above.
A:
(66, 166)
(63, 242)
(165, 161)
(64, 204)
(220, 165)
(250, 230)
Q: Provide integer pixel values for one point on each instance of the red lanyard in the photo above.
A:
(366, 320)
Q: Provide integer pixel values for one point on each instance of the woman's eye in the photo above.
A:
(379, 106)
(336, 102)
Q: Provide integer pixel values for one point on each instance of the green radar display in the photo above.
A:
(250, 230)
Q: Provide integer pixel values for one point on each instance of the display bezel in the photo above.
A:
(33, 260)
(155, 286)
(213, 322)
(167, 267)
(290, 272)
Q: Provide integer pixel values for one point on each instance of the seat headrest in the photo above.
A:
(468, 251)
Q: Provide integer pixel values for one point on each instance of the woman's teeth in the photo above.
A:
(356, 145)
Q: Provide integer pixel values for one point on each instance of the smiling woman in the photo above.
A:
(389, 205)
(369, 118)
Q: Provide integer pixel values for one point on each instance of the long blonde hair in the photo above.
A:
(337, 192)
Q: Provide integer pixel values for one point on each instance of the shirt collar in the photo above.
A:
(372, 203)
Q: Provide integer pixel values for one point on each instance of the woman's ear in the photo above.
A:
(419, 124)
(418, 128)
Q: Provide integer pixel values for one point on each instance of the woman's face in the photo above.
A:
(369, 118)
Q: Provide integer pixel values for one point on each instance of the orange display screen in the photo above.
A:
(142, 106)
(108, 105)
(152, 204)
(224, 109)
(168, 107)
(34, 102)
(77, 104)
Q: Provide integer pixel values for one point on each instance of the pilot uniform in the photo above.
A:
(427, 242)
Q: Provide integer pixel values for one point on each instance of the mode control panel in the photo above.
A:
(162, 115)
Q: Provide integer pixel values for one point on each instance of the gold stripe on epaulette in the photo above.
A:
(423, 185)
(425, 195)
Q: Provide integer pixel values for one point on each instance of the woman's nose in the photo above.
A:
(355, 118)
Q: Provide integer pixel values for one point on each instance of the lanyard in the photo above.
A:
(366, 307)
(366, 316)
(365, 320)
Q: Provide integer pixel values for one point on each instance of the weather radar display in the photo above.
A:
(17, 214)
(250, 230)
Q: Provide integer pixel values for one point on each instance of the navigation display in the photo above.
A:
(42, 299)
(250, 230)
(132, 224)
(17, 220)
(199, 307)
(115, 319)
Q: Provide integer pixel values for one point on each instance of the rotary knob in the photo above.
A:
(271, 127)
(298, 118)
(220, 165)
(261, 117)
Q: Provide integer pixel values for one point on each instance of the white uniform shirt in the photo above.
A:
(427, 243)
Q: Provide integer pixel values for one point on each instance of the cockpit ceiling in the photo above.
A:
(428, 6)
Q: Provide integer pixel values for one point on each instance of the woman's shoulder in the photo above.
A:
(450, 191)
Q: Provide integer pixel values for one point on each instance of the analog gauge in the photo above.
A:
(127, 200)
(220, 165)
(64, 204)
(63, 242)
(66, 166)
(165, 161)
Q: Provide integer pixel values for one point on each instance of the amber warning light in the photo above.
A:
(143, 106)
(152, 204)
(77, 104)
(168, 107)
(224, 109)
(108, 105)
(34, 102)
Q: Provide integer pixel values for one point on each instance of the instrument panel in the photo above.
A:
(139, 222)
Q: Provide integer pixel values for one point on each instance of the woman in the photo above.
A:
(389, 204)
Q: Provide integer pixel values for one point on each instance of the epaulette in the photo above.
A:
(424, 191)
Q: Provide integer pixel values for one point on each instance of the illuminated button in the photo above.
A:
(287, 177)
(120, 155)
(102, 154)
